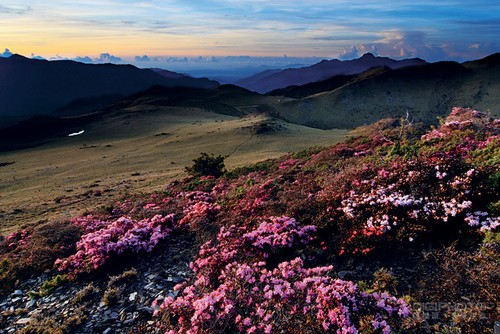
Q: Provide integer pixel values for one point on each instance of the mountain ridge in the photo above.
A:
(265, 82)
(425, 92)
(40, 87)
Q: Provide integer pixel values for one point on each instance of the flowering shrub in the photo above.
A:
(18, 238)
(103, 239)
(446, 184)
(234, 290)
(200, 208)
(253, 299)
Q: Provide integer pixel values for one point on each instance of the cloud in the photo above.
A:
(6, 53)
(58, 57)
(103, 58)
(85, 59)
(108, 58)
(142, 58)
(399, 45)
(14, 10)
(33, 56)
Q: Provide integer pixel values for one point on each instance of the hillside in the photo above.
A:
(424, 92)
(39, 87)
(326, 85)
(271, 80)
(224, 100)
(136, 146)
(395, 230)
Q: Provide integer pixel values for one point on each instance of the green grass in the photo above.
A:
(124, 154)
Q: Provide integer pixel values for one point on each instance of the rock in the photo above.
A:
(175, 280)
(15, 300)
(150, 286)
(17, 293)
(31, 303)
(342, 274)
(23, 321)
(132, 296)
(107, 331)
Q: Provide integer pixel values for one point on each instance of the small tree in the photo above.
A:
(207, 165)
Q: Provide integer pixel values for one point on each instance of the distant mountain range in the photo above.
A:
(425, 92)
(31, 87)
(65, 96)
(267, 81)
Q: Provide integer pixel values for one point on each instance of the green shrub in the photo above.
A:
(207, 165)
(50, 285)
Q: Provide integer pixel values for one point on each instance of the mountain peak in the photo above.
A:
(17, 56)
(368, 55)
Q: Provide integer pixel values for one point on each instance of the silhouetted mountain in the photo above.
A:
(425, 92)
(38, 87)
(270, 80)
(326, 85)
(225, 99)
(169, 74)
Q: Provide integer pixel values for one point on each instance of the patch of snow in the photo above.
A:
(76, 133)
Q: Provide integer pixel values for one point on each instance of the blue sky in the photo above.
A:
(433, 30)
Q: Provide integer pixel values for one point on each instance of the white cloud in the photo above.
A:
(85, 59)
(399, 45)
(142, 58)
(108, 58)
(34, 56)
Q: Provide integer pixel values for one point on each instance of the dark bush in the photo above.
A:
(207, 165)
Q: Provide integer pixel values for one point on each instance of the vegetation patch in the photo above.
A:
(2, 164)
(305, 243)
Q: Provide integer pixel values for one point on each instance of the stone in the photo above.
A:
(132, 296)
(344, 273)
(17, 293)
(23, 321)
(107, 331)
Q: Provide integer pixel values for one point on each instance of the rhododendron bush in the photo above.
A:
(234, 290)
(104, 239)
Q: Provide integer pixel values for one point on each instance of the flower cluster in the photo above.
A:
(200, 208)
(288, 163)
(234, 289)
(279, 231)
(480, 218)
(18, 238)
(103, 239)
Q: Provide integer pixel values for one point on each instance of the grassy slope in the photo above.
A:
(138, 149)
(425, 92)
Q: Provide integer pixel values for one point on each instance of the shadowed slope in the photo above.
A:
(271, 80)
(424, 92)
(39, 87)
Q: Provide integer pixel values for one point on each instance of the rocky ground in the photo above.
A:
(119, 302)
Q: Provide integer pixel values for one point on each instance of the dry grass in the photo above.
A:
(134, 150)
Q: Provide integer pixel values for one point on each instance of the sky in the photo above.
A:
(218, 31)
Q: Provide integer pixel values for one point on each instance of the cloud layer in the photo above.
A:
(434, 30)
